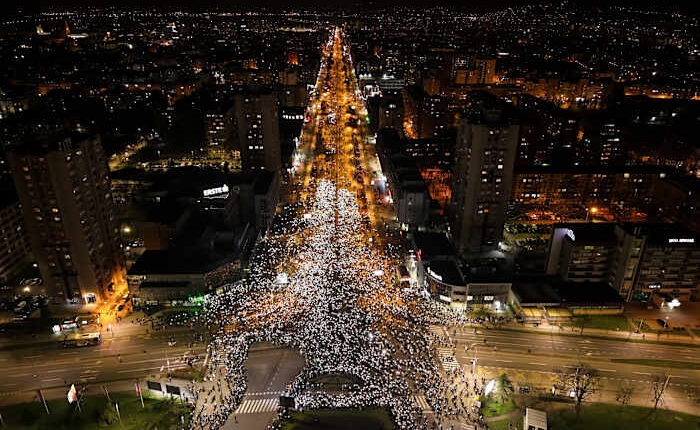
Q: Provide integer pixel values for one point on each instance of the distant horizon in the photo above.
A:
(13, 6)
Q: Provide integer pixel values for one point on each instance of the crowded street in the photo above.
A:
(322, 283)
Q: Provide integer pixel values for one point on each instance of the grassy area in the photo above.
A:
(613, 417)
(602, 322)
(97, 413)
(680, 331)
(645, 328)
(505, 424)
(491, 408)
(339, 419)
(658, 363)
(188, 373)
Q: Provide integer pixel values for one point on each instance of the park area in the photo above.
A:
(339, 419)
(96, 412)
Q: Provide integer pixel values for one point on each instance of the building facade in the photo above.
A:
(483, 176)
(64, 187)
(256, 115)
(14, 243)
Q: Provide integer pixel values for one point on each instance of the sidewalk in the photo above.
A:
(94, 388)
(545, 328)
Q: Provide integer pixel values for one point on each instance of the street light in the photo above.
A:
(476, 347)
(590, 211)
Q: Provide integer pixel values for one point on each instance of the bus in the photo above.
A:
(82, 339)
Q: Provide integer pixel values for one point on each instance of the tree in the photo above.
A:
(504, 388)
(624, 392)
(580, 382)
(659, 382)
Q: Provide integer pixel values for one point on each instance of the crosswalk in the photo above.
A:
(438, 330)
(448, 360)
(265, 393)
(423, 404)
(257, 406)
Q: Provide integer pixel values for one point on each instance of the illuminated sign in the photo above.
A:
(654, 286)
(434, 275)
(682, 240)
(215, 191)
(445, 298)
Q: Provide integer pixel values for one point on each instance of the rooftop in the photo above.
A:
(430, 245)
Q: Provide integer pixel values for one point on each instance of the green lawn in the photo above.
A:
(658, 363)
(600, 416)
(491, 408)
(97, 413)
(602, 322)
(504, 424)
(339, 419)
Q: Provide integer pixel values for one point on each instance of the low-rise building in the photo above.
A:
(535, 419)
(581, 252)
(657, 259)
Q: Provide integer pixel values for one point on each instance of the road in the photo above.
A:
(507, 351)
(270, 370)
(130, 354)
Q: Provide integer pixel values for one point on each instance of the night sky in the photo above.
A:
(482, 5)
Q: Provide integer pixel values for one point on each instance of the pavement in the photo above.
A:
(665, 337)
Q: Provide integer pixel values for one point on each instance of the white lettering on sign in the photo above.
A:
(214, 191)
(570, 233)
(682, 240)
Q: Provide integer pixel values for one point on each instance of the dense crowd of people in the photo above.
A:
(318, 284)
(337, 305)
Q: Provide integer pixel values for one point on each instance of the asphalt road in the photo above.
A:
(270, 370)
(507, 351)
(130, 354)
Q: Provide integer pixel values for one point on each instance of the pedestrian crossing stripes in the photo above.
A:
(265, 393)
(257, 406)
(438, 330)
(422, 403)
(447, 358)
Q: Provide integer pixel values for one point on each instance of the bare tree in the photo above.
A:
(624, 392)
(579, 382)
(659, 382)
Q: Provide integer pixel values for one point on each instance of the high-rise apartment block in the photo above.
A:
(256, 115)
(486, 147)
(14, 245)
(63, 184)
